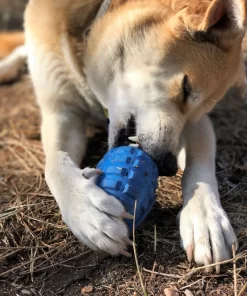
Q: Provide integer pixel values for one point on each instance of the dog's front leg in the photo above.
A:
(93, 216)
(206, 233)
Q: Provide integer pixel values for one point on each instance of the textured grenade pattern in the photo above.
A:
(130, 174)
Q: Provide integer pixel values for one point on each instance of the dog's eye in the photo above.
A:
(87, 32)
(186, 88)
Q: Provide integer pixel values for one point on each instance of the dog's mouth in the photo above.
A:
(127, 135)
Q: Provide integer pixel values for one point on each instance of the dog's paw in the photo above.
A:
(93, 216)
(206, 233)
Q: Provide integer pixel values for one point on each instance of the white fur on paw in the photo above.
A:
(92, 215)
(206, 233)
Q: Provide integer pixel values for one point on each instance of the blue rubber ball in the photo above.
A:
(130, 175)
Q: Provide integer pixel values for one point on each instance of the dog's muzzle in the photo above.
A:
(166, 161)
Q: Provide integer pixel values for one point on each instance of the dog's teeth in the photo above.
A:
(134, 139)
(134, 145)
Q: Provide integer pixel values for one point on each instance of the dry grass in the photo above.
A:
(38, 254)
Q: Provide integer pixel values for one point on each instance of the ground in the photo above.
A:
(39, 255)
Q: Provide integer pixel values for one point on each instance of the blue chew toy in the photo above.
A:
(130, 174)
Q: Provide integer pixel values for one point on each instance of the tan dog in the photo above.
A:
(159, 65)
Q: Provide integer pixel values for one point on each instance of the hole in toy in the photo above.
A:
(128, 160)
(118, 186)
(124, 172)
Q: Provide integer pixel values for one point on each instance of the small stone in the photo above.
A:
(171, 292)
(87, 289)
(25, 292)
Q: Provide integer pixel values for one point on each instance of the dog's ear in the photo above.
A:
(219, 20)
(117, 3)
(225, 15)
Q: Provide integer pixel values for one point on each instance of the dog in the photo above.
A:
(158, 67)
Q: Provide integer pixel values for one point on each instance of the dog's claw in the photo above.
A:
(208, 261)
(127, 215)
(125, 253)
(128, 241)
(189, 252)
(89, 173)
(217, 268)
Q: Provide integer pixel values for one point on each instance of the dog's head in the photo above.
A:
(158, 65)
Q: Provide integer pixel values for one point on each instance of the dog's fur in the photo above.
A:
(162, 63)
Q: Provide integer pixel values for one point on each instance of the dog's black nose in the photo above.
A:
(167, 165)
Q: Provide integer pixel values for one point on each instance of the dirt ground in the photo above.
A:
(39, 255)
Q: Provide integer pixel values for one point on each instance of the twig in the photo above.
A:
(188, 275)
(155, 239)
(41, 194)
(218, 263)
(38, 163)
(234, 270)
(243, 290)
(192, 284)
(27, 168)
(61, 263)
(21, 248)
(135, 254)
(163, 274)
(32, 255)
(232, 189)
(173, 184)
(22, 264)
(3, 257)
(152, 271)
(194, 270)
(47, 259)
(24, 147)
